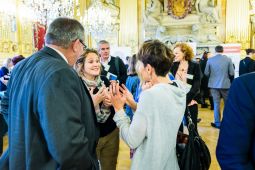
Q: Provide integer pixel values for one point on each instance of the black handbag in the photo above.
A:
(192, 152)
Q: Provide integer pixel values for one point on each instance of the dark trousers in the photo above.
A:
(193, 113)
(205, 93)
(108, 149)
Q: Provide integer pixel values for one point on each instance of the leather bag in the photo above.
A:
(192, 152)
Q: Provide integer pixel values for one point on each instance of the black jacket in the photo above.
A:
(193, 69)
(121, 72)
(204, 78)
(52, 122)
(246, 65)
(109, 125)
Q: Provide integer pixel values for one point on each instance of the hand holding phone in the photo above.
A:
(6, 77)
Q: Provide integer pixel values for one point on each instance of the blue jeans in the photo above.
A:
(216, 94)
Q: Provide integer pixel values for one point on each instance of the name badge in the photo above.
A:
(190, 76)
(106, 67)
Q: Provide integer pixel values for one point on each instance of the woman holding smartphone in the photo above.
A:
(159, 112)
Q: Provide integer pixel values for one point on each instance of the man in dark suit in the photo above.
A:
(246, 65)
(235, 149)
(50, 113)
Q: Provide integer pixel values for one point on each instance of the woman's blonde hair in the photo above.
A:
(186, 49)
(79, 65)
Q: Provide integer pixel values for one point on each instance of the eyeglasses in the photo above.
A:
(84, 46)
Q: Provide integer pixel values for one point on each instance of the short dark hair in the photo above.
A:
(249, 50)
(205, 55)
(17, 59)
(62, 31)
(219, 49)
(158, 55)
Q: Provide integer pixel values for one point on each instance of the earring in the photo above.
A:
(150, 76)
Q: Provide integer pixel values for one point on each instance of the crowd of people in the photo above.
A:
(66, 106)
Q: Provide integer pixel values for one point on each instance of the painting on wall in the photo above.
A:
(201, 50)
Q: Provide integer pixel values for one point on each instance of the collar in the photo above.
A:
(61, 54)
(105, 62)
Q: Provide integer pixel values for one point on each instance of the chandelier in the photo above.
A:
(100, 19)
(47, 10)
(7, 7)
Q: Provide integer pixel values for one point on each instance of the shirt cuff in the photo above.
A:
(120, 116)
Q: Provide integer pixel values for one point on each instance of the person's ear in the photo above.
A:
(149, 68)
(76, 45)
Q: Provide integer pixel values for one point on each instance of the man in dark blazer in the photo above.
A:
(247, 64)
(50, 112)
(236, 144)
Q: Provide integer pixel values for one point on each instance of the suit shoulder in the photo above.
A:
(210, 59)
(43, 65)
(113, 59)
(48, 61)
(250, 77)
(246, 81)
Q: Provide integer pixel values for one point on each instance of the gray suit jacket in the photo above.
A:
(51, 117)
(218, 69)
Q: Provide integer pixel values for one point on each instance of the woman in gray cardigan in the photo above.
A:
(158, 114)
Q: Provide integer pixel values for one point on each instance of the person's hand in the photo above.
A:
(113, 81)
(4, 81)
(117, 98)
(129, 97)
(99, 96)
(146, 85)
(107, 100)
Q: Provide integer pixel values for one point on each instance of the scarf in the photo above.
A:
(102, 112)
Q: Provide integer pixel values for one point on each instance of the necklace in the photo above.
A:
(183, 66)
(182, 71)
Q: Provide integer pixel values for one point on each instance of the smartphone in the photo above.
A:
(112, 76)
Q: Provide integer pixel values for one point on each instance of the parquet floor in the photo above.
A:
(208, 133)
